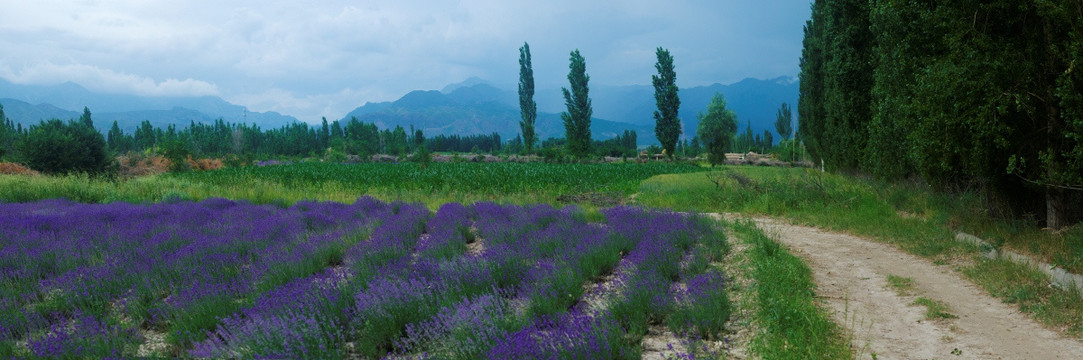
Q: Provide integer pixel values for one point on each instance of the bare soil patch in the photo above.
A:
(851, 277)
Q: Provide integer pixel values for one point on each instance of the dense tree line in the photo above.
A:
(470, 143)
(56, 146)
(623, 145)
(9, 132)
(964, 94)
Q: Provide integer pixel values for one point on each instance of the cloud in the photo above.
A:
(306, 107)
(303, 58)
(109, 81)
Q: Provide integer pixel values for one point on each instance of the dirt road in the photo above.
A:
(851, 275)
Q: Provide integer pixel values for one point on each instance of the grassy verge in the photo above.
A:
(913, 217)
(792, 325)
(1030, 290)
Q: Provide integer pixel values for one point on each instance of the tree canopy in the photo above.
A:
(968, 94)
(716, 129)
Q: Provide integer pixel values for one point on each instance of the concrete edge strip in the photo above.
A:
(1060, 278)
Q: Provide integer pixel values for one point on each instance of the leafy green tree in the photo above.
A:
(56, 147)
(336, 130)
(116, 140)
(325, 134)
(716, 129)
(528, 109)
(694, 148)
(667, 127)
(361, 139)
(85, 118)
(784, 121)
(397, 144)
(577, 100)
(422, 156)
(145, 136)
(177, 152)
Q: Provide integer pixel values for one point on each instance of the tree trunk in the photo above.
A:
(1055, 211)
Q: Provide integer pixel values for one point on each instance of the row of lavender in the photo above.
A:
(327, 280)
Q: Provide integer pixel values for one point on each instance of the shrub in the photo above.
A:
(56, 147)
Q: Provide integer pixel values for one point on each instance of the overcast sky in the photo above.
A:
(311, 59)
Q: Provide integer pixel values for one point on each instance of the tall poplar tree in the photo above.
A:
(848, 82)
(784, 121)
(528, 109)
(810, 106)
(667, 127)
(577, 100)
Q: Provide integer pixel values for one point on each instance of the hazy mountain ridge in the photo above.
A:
(476, 106)
(29, 104)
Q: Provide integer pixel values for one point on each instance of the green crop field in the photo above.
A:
(436, 184)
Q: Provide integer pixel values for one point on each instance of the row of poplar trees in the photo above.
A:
(578, 104)
(968, 94)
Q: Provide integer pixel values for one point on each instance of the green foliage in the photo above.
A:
(56, 147)
(527, 107)
(716, 129)
(810, 108)
(789, 150)
(624, 145)
(8, 133)
(848, 82)
(177, 152)
(667, 127)
(784, 121)
(577, 100)
(85, 118)
(965, 94)
(361, 139)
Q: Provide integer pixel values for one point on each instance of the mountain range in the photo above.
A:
(471, 107)
(29, 104)
(476, 106)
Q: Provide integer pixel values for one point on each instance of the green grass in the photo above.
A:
(1029, 289)
(902, 285)
(934, 309)
(793, 326)
(909, 215)
(807, 196)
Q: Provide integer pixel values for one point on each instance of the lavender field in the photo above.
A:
(220, 278)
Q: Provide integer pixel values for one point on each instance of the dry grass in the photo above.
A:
(10, 168)
(204, 164)
(135, 165)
